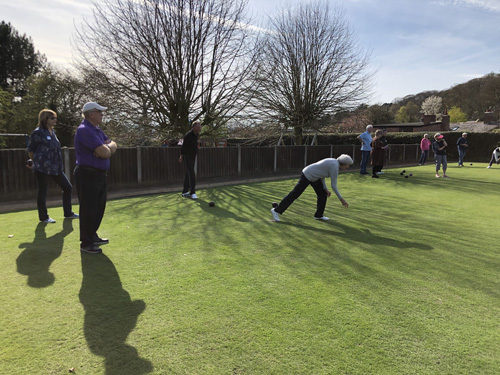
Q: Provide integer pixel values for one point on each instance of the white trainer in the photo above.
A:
(194, 196)
(324, 218)
(49, 221)
(489, 166)
(276, 215)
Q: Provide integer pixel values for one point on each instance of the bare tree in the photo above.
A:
(171, 61)
(311, 68)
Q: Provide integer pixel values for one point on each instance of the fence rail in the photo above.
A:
(158, 166)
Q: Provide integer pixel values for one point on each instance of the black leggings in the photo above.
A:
(42, 188)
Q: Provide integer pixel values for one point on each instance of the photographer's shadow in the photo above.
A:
(110, 316)
(38, 256)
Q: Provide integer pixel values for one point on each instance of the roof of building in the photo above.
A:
(473, 126)
(406, 125)
(469, 126)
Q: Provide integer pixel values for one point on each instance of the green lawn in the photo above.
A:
(404, 281)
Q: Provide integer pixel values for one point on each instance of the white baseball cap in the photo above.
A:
(93, 105)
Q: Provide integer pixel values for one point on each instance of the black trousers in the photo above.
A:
(302, 184)
(189, 177)
(42, 184)
(91, 185)
(376, 168)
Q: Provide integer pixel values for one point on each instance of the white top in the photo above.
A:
(496, 153)
(324, 168)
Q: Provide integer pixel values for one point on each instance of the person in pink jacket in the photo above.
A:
(424, 146)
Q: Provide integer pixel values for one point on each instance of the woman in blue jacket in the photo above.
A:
(46, 162)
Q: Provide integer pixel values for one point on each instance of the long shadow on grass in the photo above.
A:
(364, 236)
(110, 316)
(38, 256)
(218, 211)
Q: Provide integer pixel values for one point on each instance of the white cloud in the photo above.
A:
(490, 5)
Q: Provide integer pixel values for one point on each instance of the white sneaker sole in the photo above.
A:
(324, 218)
(276, 216)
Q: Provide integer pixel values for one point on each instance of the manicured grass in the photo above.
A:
(404, 281)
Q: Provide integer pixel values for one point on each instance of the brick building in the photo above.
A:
(428, 124)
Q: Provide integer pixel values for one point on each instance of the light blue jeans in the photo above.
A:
(441, 159)
(365, 156)
(461, 156)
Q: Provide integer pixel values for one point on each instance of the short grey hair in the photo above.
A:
(369, 127)
(345, 159)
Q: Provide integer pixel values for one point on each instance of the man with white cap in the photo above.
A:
(93, 150)
(366, 141)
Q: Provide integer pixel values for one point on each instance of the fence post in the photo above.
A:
(139, 165)
(275, 158)
(239, 160)
(66, 162)
(305, 156)
(331, 151)
(404, 153)
(353, 152)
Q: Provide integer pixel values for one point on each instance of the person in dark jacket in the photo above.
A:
(439, 148)
(189, 150)
(462, 145)
(46, 162)
(377, 153)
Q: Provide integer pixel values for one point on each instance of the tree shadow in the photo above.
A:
(36, 259)
(110, 316)
(218, 211)
(361, 235)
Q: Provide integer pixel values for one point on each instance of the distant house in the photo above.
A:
(488, 124)
(429, 124)
(473, 127)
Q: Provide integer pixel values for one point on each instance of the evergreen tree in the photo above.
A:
(18, 59)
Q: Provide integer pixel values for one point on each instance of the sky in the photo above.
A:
(415, 45)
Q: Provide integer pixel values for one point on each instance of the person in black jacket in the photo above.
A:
(189, 150)
(462, 145)
(439, 148)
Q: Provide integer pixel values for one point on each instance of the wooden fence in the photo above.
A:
(141, 167)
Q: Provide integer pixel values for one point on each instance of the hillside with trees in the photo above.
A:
(469, 100)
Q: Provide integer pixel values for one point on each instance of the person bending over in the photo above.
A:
(314, 175)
